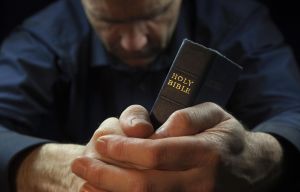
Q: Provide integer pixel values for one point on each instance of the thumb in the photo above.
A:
(192, 120)
(135, 122)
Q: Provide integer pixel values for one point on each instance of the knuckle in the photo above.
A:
(236, 139)
(95, 173)
(157, 157)
(214, 113)
(91, 173)
(141, 184)
(182, 118)
(136, 107)
(107, 122)
(210, 105)
(104, 128)
(118, 148)
(153, 160)
(133, 110)
(213, 108)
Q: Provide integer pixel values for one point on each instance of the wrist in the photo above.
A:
(267, 155)
(47, 168)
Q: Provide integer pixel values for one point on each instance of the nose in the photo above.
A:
(134, 38)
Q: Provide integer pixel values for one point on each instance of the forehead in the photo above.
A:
(120, 9)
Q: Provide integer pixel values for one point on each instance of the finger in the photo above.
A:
(135, 122)
(109, 126)
(103, 176)
(178, 153)
(192, 120)
(90, 188)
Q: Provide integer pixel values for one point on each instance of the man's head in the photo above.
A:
(135, 31)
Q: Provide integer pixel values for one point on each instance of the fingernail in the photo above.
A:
(101, 146)
(135, 121)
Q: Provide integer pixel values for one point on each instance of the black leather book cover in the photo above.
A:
(198, 74)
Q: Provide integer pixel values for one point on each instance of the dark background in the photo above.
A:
(285, 14)
(13, 12)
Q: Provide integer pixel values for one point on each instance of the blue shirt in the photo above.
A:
(57, 82)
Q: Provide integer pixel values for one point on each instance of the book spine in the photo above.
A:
(198, 74)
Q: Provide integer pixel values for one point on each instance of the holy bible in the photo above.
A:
(198, 74)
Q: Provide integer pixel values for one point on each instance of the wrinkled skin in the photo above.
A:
(201, 148)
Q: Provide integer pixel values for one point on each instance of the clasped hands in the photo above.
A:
(200, 148)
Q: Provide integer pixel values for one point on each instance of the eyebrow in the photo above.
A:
(155, 13)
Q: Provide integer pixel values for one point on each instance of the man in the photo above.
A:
(67, 69)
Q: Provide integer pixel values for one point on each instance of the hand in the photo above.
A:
(133, 122)
(47, 168)
(201, 148)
